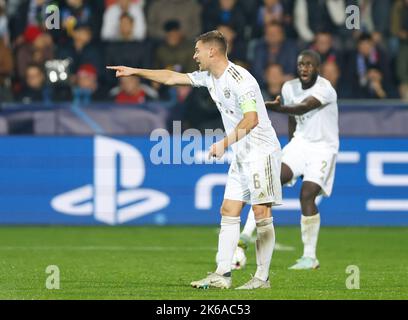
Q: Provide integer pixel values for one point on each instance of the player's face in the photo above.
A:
(201, 55)
(307, 69)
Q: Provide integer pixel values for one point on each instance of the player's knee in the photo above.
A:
(228, 211)
(307, 196)
(261, 212)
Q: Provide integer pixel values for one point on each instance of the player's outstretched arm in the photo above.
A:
(305, 106)
(167, 77)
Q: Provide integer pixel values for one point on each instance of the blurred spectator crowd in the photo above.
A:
(38, 64)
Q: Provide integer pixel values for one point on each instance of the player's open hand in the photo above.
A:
(217, 150)
(275, 104)
(122, 71)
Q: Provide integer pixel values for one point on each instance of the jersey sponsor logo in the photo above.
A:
(115, 196)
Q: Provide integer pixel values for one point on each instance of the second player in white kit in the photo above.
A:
(311, 102)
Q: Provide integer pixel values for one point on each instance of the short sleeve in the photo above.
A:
(325, 94)
(246, 98)
(198, 78)
(286, 94)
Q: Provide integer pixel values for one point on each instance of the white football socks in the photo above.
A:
(227, 243)
(250, 225)
(264, 247)
(310, 231)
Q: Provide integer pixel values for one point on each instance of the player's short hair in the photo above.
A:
(216, 37)
(313, 54)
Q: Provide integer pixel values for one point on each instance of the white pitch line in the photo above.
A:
(108, 248)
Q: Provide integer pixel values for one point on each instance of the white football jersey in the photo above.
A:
(319, 126)
(235, 89)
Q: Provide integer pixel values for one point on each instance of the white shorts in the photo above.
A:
(255, 182)
(314, 164)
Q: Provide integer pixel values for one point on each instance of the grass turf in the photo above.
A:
(160, 262)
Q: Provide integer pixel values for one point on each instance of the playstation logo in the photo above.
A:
(115, 196)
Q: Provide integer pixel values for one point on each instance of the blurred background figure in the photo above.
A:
(6, 60)
(187, 12)
(35, 88)
(367, 66)
(311, 16)
(331, 71)
(227, 12)
(274, 79)
(236, 45)
(78, 12)
(86, 89)
(399, 28)
(274, 48)
(132, 91)
(175, 53)
(124, 18)
(4, 28)
(81, 49)
(37, 47)
(323, 44)
(279, 11)
(125, 50)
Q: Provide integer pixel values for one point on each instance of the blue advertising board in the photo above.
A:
(113, 180)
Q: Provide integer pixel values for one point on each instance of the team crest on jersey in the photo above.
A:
(227, 93)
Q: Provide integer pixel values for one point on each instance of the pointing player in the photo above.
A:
(254, 173)
(311, 103)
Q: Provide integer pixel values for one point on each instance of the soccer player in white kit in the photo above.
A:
(254, 173)
(311, 103)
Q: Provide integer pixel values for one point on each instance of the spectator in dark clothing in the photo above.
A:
(399, 28)
(236, 46)
(6, 71)
(279, 11)
(81, 50)
(368, 67)
(311, 16)
(127, 51)
(35, 88)
(323, 44)
(29, 13)
(79, 12)
(274, 48)
(274, 78)
(224, 12)
(38, 47)
(330, 70)
(176, 54)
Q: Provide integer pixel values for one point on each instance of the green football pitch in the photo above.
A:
(160, 262)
